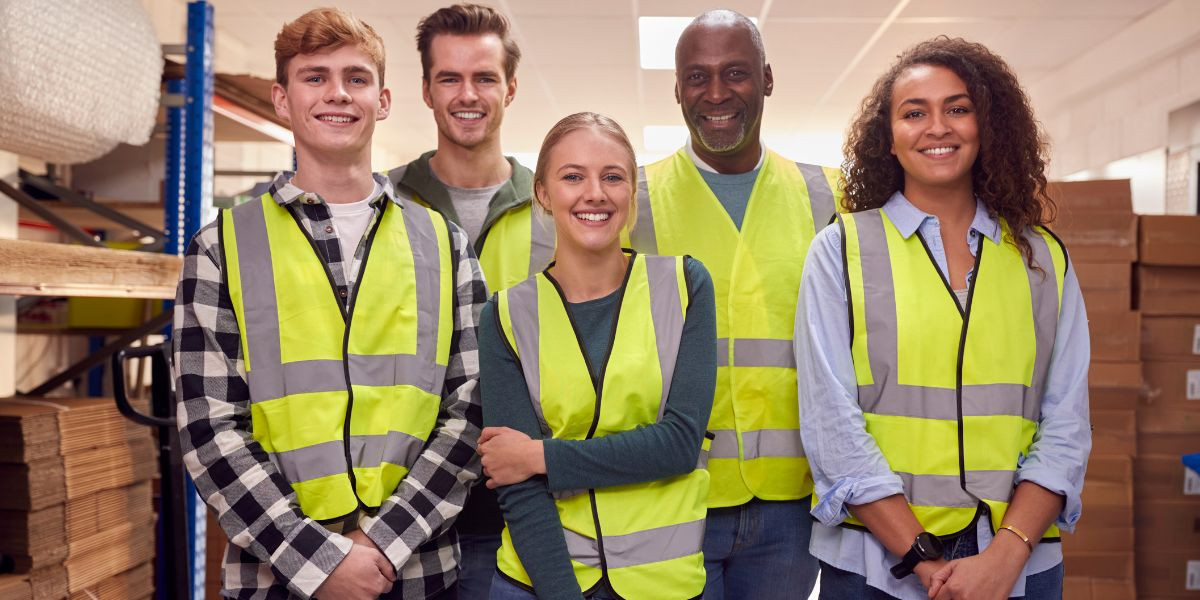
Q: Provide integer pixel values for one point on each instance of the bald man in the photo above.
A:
(748, 214)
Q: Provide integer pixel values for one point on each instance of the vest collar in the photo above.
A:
(285, 193)
(908, 218)
(419, 178)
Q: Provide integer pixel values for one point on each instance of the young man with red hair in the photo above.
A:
(325, 347)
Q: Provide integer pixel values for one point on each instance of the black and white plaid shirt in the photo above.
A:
(276, 551)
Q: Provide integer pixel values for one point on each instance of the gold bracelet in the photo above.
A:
(1017, 532)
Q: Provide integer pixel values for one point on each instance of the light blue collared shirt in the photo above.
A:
(847, 466)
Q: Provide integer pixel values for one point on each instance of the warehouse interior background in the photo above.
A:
(1115, 84)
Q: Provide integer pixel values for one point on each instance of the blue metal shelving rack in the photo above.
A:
(188, 189)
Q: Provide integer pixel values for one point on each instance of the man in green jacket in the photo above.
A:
(469, 63)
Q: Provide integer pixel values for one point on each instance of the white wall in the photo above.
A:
(8, 304)
(1112, 103)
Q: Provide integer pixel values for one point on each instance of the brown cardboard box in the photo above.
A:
(1171, 338)
(1114, 432)
(1101, 528)
(1098, 236)
(1166, 574)
(1107, 301)
(1117, 565)
(1100, 195)
(1121, 375)
(1109, 481)
(1168, 525)
(1094, 588)
(1115, 336)
(1107, 287)
(1173, 383)
(1161, 477)
(1170, 240)
(1113, 399)
(1103, 275)
(1168, 291)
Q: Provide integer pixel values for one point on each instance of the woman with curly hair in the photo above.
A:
(943, 346)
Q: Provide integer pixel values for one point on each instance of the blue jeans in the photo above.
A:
(837, 584)
(759, 550)
(503, 589)
(478, 564)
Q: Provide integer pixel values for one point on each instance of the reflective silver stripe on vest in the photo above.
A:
(423, 239)
(643, 237)
(523, 312)
(270, 379)
(638, 548)
(942, 403)
(366, 451)
(946, 490)
(541, 239)
(724, 444)
(772, 443)
(757, 352)
(667, 318)
(1043, 287)
(820, 195)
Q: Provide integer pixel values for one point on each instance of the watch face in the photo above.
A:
(929, 546)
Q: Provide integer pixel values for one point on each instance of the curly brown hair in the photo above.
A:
(1009, 175)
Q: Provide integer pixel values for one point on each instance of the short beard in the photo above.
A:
(720, 148)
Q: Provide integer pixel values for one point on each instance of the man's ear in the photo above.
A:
(512, 90)
(677, 101)
(385, 104)
(279, 100)
(425, 92)
(768, 80)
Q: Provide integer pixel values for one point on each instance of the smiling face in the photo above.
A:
(720, 83)
(587, 187)
(467, 89)
(935, 134)
(332, 100)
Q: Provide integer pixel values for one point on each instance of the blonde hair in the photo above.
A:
(323, 29)
(604, 125)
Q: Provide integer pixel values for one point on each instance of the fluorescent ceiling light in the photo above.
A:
(657, 37)
(663, 138)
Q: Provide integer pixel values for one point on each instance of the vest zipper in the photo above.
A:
(347, 315)
(598, 385)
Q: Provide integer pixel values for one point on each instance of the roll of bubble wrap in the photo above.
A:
(77, 77)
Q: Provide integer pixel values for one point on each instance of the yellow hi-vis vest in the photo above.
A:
(956, 411)
(644, 538)
(756, 277)
(343, 400)
(517, 246)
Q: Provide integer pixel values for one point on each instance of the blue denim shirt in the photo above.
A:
(847, 466)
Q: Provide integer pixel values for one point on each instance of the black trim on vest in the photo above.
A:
(598, 383)
(846, 275)
(362, 270)
(1066, 255)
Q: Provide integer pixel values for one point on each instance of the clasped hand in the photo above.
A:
(509, 456)
(364, 573)
(989, 575)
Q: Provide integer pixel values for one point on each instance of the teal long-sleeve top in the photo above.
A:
(664, 449)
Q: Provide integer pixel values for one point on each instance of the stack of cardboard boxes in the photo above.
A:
(1095, 219)
(1167, 492)
(75, 516)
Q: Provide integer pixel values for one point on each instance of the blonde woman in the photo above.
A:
(597, 379)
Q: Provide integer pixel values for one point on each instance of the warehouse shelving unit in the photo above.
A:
(44, 269)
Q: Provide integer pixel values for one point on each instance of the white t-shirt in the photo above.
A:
(350, 221)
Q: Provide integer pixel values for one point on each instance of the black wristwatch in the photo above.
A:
(926, 547)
